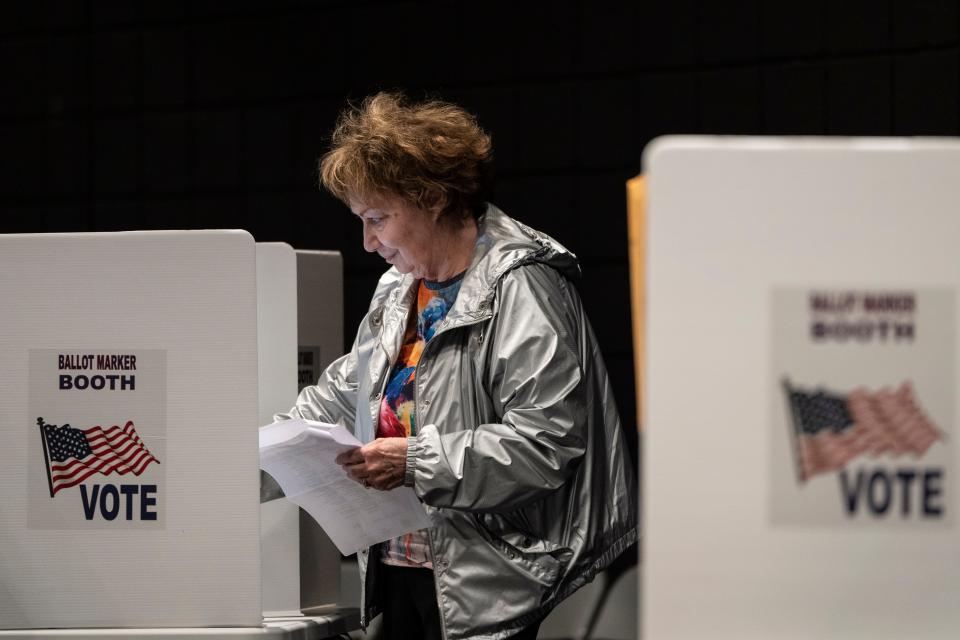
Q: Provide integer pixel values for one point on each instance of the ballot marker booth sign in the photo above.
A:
(862, 408)
(97, 450)
(800, 462)
(129, 417)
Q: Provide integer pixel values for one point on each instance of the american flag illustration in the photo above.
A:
(831, 429)
(73, 455)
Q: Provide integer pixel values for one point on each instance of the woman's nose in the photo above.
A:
(370, 242)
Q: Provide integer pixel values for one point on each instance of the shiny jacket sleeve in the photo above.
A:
(334, 397)
(536, 380)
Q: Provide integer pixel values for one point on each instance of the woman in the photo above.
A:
(476, 379)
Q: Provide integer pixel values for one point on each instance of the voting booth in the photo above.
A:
(300, 331)
(799, 472)
(319, 287)
(138, 368)
(277, 373)
(129, 418)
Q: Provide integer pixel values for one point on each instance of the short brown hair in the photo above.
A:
(429, 153)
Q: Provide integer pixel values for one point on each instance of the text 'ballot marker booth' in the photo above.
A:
(128, 413)
(800, 473)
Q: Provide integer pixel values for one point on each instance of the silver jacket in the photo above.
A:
(519, 460)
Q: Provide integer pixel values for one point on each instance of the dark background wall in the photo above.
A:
(119, 115)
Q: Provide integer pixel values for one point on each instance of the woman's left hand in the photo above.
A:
(380, 464)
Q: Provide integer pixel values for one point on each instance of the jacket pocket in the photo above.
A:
(542, 559)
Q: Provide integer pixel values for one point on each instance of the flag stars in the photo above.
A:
(819, 411)
(66, 442)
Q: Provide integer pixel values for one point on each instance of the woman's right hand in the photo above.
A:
(380, 464)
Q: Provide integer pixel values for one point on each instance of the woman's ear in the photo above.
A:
(438, 203)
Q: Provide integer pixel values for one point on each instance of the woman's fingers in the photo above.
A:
(384, 482)
(386, 461)
(379, 464)
(351, 456)
(356, 473)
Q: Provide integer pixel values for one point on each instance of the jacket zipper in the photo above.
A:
(364, 618)
(416, 395)
(374, 419)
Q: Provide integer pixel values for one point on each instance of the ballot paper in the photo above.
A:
(300, 454)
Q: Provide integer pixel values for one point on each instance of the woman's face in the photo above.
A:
(403, 235)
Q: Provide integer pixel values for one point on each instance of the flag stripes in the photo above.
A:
(77, 454)
(832, 430)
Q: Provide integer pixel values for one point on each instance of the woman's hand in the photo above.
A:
(380, 464)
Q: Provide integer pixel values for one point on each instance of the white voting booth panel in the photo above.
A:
(320, 341)
(277, 349)
(319, 312)
(300, 300)
(137, 351)
(800, 453)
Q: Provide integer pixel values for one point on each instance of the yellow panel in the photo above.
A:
(636, 230)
